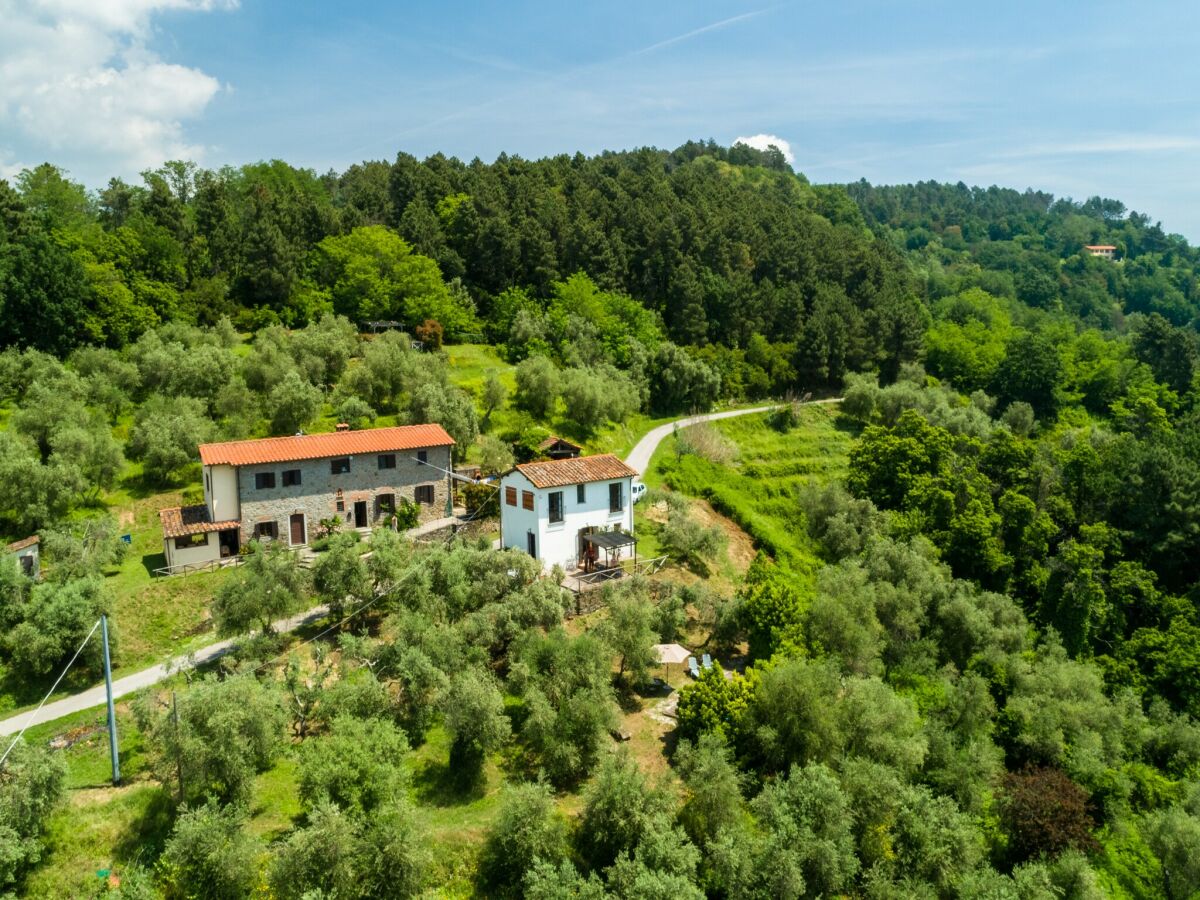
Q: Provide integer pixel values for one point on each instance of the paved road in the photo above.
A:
(131, 683)
(639, 457)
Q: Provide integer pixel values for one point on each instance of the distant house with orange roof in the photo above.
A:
(1104, 251)
(279, 489)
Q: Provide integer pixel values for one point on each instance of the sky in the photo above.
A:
(1074, 98)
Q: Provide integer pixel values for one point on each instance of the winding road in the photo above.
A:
(638, 458)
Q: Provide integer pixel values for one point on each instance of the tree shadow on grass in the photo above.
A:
(144, 839)
(152, 561)
(449, 783)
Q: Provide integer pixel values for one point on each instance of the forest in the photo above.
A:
(967, 650)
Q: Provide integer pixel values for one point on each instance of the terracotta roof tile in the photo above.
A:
(562, 472)
(22, 544)
(320, 446)
(552, 440)
(178, 521)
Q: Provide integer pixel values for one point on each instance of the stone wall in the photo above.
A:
(317, 495)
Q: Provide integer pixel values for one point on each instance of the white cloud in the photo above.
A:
(763, 141)
(77, 80)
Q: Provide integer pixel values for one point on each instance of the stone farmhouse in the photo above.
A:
(280, 489)
(572, 512)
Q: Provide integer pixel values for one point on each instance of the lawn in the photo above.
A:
(759, 489)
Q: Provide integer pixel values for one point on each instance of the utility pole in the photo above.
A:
(112, 713)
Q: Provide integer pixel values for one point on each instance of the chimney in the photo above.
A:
(343, 426)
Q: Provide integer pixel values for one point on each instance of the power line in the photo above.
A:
(53, 687)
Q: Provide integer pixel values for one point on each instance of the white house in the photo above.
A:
(561, 510)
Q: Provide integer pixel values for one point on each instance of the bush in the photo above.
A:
(31, 786)
(687, 541)
(225, 732)
(705, 441)
(528, 830)
(430, 333)
(481, 499)
(357, 766)
(209, 854)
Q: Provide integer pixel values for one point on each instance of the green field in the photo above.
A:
(759, 489)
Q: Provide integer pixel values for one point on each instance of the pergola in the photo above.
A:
(608, 541)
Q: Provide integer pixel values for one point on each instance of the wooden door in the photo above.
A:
(297, 523)
(360, 514)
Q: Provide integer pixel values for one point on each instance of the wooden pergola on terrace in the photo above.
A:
(610, 542)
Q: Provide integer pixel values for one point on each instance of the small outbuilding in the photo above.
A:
(555, 447)
(25, 552)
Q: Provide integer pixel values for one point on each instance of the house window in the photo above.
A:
(264, 480)
(422, 456)
(339, 466)
(208, 481)
(385, 504)
(387, 460)
(527, 499)
(616, 499)
(424, 493)
(581, 493)
(510, 495)
(291, 477)
(191, 540)
(340, 505)
(556, 507)
(267, 530)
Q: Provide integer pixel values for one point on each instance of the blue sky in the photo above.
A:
(1075, 98)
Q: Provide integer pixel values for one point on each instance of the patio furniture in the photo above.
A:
(693, 669)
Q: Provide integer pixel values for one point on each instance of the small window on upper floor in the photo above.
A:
(581, 493)
(387, 460)
(422, 456)
(616, 497)
(339, 466)
(556, 506)
(291, 477)
(264, 480)
(527, 499)
(510, 495)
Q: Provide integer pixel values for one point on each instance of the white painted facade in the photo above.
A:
(182, 551)
(559, 543)
(221, 493)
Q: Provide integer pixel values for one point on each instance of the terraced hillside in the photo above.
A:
(758, 487)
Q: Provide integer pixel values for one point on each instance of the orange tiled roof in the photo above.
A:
(178, 521)
(562, 472)
(22, 544)
(1099, 247)
(320, 446)
(552, 440)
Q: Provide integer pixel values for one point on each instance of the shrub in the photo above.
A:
(705, 441)
(210, 854)
(431, 333)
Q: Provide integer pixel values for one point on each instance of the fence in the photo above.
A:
(593, 580)
(192, 568)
